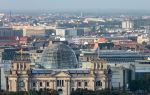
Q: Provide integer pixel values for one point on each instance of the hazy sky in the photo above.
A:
(75, 4)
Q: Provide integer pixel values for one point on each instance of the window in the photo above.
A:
(57, 82)
(87, 59)
(21, 66)
(72, 89)
(47, 83)
(17, 66)
(21, 83)
(41, 84)
(79, 83)
(72, 83)
(60, 83)
(24, 66)
(101, 66)
(98, 83)
(34, 84)
(85, 83)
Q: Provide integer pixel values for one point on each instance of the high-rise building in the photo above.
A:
(127, 24)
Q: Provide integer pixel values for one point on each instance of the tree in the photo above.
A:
(98, 92)
(41, 92)
(103, 92)
(82, 92)
(144, 43)
(108, 92)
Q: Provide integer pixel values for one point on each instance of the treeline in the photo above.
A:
(41, 92)
(76, 92)
(98, 92)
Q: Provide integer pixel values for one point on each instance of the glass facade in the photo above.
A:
(142, 75)
(59, 56)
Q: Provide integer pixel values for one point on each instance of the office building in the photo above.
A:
(69, 32)
(7, 32)
(127, 24)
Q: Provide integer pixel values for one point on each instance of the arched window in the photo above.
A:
(85, 83)
(101, 66)
(47, 84)
(34, 84)
(79, 83)
(41, 84)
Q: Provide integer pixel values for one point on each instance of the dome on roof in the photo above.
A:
(59, 56)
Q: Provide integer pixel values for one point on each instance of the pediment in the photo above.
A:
(61, 74)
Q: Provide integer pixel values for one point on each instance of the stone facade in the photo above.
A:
(23, 78)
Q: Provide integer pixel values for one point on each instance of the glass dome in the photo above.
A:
(59, 56)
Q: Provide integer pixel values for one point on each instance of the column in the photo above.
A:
(67, 88)
(45, 84)
(83, 84)
(76, 84)
(37, 83)
(66, 81)
(53, 84)
(9, 84)
(30, 84)
(94, 86)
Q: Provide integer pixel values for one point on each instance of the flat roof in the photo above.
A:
(142, 71)
(142, 60)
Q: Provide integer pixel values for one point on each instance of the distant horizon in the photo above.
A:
(98, 11)
(86, 10)
(70, 5)
(73, 10)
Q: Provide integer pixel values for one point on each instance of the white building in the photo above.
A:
(127, 24)
(66, 32)
(60, 32)
(122, 74)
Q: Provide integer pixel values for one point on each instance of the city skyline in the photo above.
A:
(72, 47)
